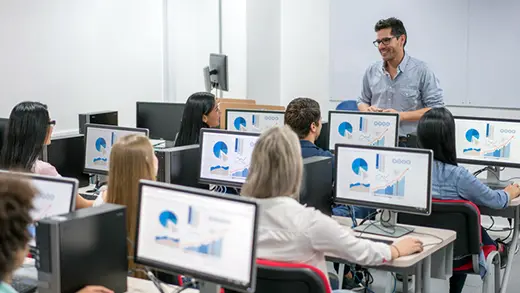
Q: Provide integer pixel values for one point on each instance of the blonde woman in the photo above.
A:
(132, 158)
(289, 231)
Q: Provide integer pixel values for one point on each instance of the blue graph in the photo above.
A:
(358, 165)
(345, 128)
(167, 218)
(501, 151)
(213, 248)
(193, 217)
(395, 187)
(379, 142)
(239, 123)
(219, 148)
(256, 121)
(101, 144)
(241, 173)
(363, 124)
(472, 135)
(360, 187)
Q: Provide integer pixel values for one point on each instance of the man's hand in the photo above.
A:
(390, 111)
(374, 109)
(95, 289)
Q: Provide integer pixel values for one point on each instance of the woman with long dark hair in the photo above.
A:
(201, 111)
(436, 131)
(29, 129)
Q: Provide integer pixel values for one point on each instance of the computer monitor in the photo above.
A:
(101, 117)
(389, 178)
(363, 128)
(3, 131)
(225, 156)
(253, 120)
(316, 190)
(488, 141)
(180, 165)
(99, 140)
(194, 232)
(55, 196)
(218, 70)
(163, 120)
(323, 140)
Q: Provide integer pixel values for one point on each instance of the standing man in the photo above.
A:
(399, 83)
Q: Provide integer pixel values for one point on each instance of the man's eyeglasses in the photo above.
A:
(385, 41)
(52, 122)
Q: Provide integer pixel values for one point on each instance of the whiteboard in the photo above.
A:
(437, 34)
(81, 56)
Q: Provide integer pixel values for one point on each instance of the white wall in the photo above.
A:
(80, 56)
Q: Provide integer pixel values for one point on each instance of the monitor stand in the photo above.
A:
(492, 179)
(386, 226)
(207, 287)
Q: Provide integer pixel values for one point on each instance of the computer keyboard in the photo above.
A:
(22, 285)
(88, 196)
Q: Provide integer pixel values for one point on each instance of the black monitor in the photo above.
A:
(99, 140)
(180, 165)
(390, 178)
(3, 130)
(323, 140)
(67, 155)
(101, 117)
(225, 156)
(163, 120)
(218, 71)
(208, 236)
(316, 190)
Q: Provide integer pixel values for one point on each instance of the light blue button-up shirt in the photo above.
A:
(6, 288)
(414, 87)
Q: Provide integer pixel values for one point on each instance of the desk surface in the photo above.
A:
(433, 244)
(146, 286)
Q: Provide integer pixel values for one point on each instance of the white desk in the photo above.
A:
(145, 286)
(511, 212)
(418, 264)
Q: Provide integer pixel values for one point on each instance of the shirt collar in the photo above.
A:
(402, 66)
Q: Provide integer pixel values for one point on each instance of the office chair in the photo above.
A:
(349, 105)
(463, 217)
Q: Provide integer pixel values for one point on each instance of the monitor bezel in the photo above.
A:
(197, 274)
(484, 162)
(385, 206)
(201, 143)
(137, 104)
(397, 120)
(102, 126)
(71, 181)
(249, 111)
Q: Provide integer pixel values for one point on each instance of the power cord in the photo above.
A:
(395, 283)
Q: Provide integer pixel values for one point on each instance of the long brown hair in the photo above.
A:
(131, 159)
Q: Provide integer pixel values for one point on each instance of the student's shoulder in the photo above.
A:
(44, 168)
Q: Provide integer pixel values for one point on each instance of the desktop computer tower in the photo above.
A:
(323, 140)
(316, 190)
(67, 155)
(103, 117)
(85, 247)
(180, 165)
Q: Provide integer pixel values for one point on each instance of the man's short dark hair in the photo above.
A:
(16, 197)
(395, 24)
(300, 114)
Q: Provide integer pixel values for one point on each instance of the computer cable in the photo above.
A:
(187, 285)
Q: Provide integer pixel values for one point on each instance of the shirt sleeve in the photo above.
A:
(431, 91)
(329, 237)
(366, 93)
(471, 188)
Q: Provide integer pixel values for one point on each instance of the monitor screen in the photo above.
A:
(488, 141)
(397, 179)
(362, 128)
(197, 233)
(99, 140)
(225, 156)
(253, 120)
(163, 120)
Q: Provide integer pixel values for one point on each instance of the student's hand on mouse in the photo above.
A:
(513, 190)
(95, 289)
(406, 246)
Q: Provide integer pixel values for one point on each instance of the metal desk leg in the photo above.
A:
(426, 274)
(449, 259)
(511, 254)
(341, 274)
(405, 283)
(418, 277)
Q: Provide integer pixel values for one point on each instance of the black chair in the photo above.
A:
(463, 217)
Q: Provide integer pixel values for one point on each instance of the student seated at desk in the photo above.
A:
(16, 202)
(132, 158)
(436, 131)
(28, 131)
(201, 111)
(291, 232)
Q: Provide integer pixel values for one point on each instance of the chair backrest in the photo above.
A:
(282, 277)
(461, 216)
(349, 105)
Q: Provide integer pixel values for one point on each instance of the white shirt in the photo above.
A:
(290, 232)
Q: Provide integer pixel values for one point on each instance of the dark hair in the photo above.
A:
(198, 104)
(26, 132)
(436, 131)
(395, 24)
(16, 197)
(300, 114)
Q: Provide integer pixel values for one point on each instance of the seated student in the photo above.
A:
(291, 232)
(16, 202)
(201, 111)
(436, 131)
(303, 115)
(29, 129)
(132, 158)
